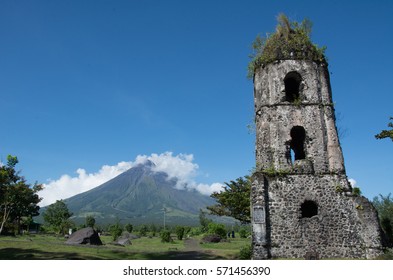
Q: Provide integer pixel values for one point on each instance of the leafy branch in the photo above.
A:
(233, 200)
(386, 133)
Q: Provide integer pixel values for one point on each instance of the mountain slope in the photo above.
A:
(139, 196)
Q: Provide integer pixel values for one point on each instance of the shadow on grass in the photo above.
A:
(181, 255)
(34, 254)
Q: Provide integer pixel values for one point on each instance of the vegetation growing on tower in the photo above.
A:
(291, 40)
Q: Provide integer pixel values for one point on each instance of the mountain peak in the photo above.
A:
(146, 166)
(149, 163)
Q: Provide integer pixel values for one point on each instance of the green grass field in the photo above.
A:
(48, 247)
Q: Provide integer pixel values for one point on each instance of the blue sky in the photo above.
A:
(85, 84)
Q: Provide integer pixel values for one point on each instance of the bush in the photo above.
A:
(356, 191)
(153, 230)
(166, 236)
(244, 233)
(245, 252)
(143, 230)
(384, 206)
(388, 255)
(90, 221)
(217, 229)
(203, 220)
(195, 231)
(115, 231)
(290, 41)
(187, 230)
(129, 228)
(179, 232)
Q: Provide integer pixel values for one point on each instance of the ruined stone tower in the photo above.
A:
(302, 202)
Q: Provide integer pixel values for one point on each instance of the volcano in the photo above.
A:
(140, 195)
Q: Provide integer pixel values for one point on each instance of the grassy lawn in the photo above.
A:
(49, 247)
(227, 250)
(46, 247)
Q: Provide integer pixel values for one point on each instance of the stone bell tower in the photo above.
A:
(302, 203)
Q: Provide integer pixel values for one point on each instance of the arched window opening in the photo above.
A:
(298, 135)
(292, 86)
(309, 209)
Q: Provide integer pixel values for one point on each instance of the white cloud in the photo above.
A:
(180, 166)
(67, 186)
(209, 189)
(183, 169)
(353, 182)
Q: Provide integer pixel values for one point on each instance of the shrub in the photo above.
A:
(290, 41)
(387, 255)
(384, 206)
(187, 229)
(143, 230)
(203, 220)
(245, 252)
(115, 231)
(180, 232)
(195, 231)
(153, 230)
(90, 221)
(129, 228)
(244, 233)
(217, 229)
(356, 191)
(166, 236)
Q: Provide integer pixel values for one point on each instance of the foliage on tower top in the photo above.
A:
(291, 40)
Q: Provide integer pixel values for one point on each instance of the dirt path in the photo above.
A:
(192, 251)
(192, 245)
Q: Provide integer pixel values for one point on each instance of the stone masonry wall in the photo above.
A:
(346, 226)
(275, 117)
(335, 232)
(337, 224)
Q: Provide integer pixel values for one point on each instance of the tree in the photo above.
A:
(17, 198)
(129, 228)
(244, 232)
(90, 221)
(180, 232)
(166, 236)
(143, 230)
(386, 133)
(57, 216)
(234, 200)
(384, 206)
(116, 230)
(153, 229)
(245, 252)
(217, 229)
(203, 220)
(25, 203)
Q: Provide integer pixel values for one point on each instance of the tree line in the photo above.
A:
(58, 220)
(19, 204)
